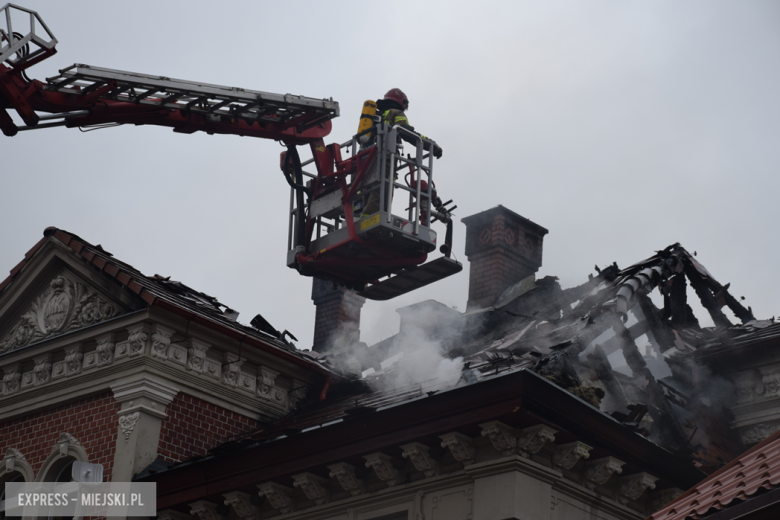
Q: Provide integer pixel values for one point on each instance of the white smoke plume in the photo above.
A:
(417, 355)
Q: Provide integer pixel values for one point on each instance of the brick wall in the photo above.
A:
(194, 426)
(92, 420)
(338, 314)
(490, 274)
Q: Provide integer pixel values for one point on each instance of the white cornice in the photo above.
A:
(135, 392)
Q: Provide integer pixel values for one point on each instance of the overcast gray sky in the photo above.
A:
(621, 126)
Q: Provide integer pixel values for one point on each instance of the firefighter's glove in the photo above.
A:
(437, 151)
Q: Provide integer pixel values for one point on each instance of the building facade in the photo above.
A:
(102, 364)
(517, 409)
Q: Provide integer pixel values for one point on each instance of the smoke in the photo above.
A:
(700, 383)
(423, 364)
(417, 355)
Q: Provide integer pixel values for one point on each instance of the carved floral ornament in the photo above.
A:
(633, 486)
(314, 487)
(11, 457)
(567, 455)
(241, 503)
(526, 442)
(345, 474)
(422, 460)
(14, 460)
(145, 339)
(280, 497)
(105, 350)
(384, 467)
(759, 432)
(205, 510)
(394, 471)
(65, 305)
(600, 470)
(231, 372)
(127, 423)
(42, 369)
(461, 447)
(751, 384)
(12, 379)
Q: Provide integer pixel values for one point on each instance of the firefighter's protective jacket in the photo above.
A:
(395, 116)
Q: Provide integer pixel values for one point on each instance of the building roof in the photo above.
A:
(544, 330)
(747, 477)
(566, 336)
(172, 296)
(345, 428)
(545, 347)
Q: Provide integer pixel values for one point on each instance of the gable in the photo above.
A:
(63, 303)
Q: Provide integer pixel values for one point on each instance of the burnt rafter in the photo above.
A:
(603, 368)
(634, 283)
(713, 295)
(655, 322)
(705, 294)
(676, 305)
(664, 414)
(739, 310)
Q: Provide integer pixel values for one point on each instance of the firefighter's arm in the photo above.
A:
(402, 120)
(437, 151)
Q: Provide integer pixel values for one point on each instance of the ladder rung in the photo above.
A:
(196, 97)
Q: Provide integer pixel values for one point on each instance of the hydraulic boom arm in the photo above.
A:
(377, 255)
(82, 95)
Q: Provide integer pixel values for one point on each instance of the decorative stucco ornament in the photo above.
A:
(65, 305)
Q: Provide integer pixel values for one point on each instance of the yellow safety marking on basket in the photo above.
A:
(320, 148)
(323, 250)
(371, 221)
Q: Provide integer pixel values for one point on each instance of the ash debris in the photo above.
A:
(604, 341)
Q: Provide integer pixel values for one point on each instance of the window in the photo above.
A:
(14, 476)
(60, 471)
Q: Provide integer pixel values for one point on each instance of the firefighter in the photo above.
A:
(393, 107)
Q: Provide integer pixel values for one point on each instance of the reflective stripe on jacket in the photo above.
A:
(394, 116)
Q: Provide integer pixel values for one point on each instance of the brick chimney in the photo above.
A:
(338, 315)
(503, 248)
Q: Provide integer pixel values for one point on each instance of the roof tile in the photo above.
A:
(147, 297)
(35, 248)
(123, 278)
(76, 246)
(18, 267)
(62, 237)
(758, 468)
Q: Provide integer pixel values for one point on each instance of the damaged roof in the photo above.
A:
(567, 336)
(174, 297)
(354, 421)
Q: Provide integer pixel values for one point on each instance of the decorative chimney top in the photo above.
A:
(503, 248)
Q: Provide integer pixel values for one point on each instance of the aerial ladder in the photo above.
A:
(380, 256)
